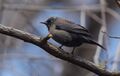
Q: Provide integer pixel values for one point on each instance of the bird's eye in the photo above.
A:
(50, 21)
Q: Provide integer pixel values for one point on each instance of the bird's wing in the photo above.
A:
(75, 26)
(62, 24)
(76, 29)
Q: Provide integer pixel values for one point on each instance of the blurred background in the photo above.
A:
(18, 58)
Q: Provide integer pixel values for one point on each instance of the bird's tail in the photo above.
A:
(94, 42)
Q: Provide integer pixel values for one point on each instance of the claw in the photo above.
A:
(61, 46)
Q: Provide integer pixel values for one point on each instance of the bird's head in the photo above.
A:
(49, 21)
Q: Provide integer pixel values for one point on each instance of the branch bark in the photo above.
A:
(30, 38)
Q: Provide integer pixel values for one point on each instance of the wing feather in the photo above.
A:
(62, 24)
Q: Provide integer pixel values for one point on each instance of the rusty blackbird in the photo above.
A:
(68, 33)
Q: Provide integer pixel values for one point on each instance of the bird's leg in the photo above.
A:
(73, 50)
(61, 46)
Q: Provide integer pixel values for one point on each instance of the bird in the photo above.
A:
(68, 33)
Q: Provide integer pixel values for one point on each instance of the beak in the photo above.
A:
(43, 23)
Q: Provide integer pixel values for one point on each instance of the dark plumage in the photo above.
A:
(68, 33)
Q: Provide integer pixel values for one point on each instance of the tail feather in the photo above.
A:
(94, 42)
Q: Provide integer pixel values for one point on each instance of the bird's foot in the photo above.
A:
(61, 47)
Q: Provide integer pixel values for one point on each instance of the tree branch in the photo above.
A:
(55, 51)
(110, 36)
(115, 37)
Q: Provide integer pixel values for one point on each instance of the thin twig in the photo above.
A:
(115, 37)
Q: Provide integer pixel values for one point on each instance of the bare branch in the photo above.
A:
(55, 51)
(115, 37)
